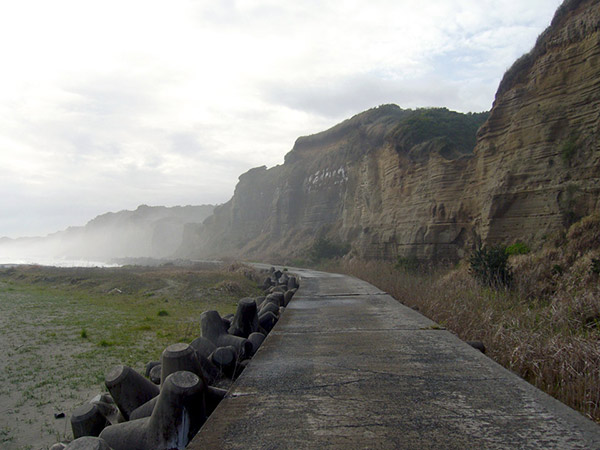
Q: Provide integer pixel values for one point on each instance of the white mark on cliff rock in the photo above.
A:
(325, 177)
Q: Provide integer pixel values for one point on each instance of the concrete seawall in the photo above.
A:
(349, 367)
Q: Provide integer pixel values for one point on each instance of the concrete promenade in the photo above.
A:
(348, 367)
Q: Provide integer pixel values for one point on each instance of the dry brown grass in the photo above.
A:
(546, 328)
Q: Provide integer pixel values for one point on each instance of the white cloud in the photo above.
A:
(107, 105)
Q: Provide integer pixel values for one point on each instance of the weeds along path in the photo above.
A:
(62, 329)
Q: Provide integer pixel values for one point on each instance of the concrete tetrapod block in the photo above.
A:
(88, 443)
(259, 301)
(129, 389)
(269, 306)
(274, 289)
(107, 407)
(177, 357)
(58, 446)
(276, 297)
(267, 321)
(283, 279)
(87, 420)
(292, 283)
(245, 320)
(213, 328)
(145, 410)
(266, 283)
(256, 339)
(225, 359)
(287, 297)
(180, 356)
(227, 320)
(177, 416)
(155, 374)
(212, 398)
(203, 346)
(149, 367)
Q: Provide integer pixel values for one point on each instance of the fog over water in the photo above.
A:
(146, 232)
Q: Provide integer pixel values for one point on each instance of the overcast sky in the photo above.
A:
(105, 105)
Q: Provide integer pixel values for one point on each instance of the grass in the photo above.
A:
(545, 328)
(63, 328)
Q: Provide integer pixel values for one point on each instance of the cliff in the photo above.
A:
(371, 181)
(537, 164)
(393, 182)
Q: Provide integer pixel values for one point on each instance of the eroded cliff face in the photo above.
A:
(370, 181)
(537, 163)
(395, 182)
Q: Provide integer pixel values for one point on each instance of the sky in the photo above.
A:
(108, 105)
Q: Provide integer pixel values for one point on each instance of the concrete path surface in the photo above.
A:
(348, 367)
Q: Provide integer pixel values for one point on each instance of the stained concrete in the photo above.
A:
(348, 367)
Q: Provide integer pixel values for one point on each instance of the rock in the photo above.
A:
(129, 389)
(177, 416)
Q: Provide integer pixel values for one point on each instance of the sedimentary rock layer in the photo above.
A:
(393, 182)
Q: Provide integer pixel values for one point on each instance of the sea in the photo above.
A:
(56, 262)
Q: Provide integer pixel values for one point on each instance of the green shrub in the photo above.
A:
(84, 334)
(489, 266)
(162, 313)
(518, 248)
(596, 266)
(557, 269)
(568, 149)
(324, 248)
(407, 264)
